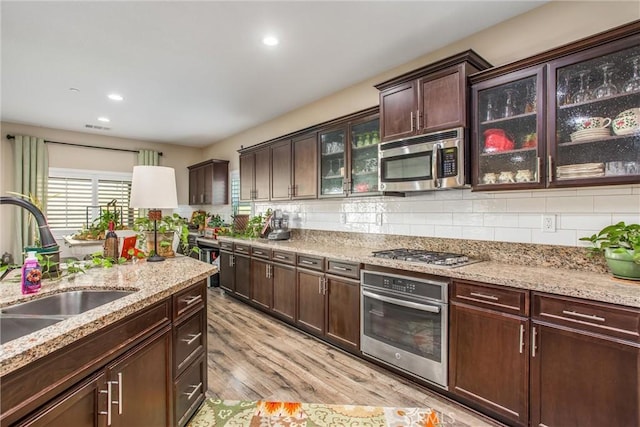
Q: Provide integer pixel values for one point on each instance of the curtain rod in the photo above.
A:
(87, 146)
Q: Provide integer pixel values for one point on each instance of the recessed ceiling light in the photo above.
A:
(73, 89)
(104, 119)
(270, 41)
(115, 97)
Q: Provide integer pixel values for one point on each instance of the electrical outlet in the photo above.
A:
(548, 223)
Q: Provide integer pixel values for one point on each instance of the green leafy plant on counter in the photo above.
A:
(620, 238)
(256, 225)
(169, 223)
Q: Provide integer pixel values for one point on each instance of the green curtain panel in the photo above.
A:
(148, 158)
(31, 175)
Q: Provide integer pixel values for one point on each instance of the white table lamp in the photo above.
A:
(154, 188)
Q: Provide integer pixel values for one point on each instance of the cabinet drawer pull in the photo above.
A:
(304, 261)
(485, 296)
(191, 300)
(108, 411)
(533, 341)
(521, 338)
(335, 267)
(258, 252)
(194, 337)
(280, 256)
(193, 392)
(583, 316)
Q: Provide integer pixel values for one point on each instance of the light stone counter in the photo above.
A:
(152, 282)
(561, 281)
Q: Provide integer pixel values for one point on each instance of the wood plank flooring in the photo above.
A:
(252, 356)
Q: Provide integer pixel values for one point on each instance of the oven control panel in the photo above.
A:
(434, 290)
(400, 285)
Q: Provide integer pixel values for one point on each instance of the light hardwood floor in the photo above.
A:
(252, 356)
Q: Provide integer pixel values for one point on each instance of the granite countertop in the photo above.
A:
(152, 282)
(560, 281)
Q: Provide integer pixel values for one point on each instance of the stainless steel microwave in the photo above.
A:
(426, 162)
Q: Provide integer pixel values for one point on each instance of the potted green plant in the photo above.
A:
(171, 228)
(620, 244)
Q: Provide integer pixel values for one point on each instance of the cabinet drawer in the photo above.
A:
(284, 257)
(311, 262)
(606, 319)
(498, 298)
(241, 248)
(346, 269)
(189, 391)
(261, 253)
(226, 246)
(189, 340)
(189, 299)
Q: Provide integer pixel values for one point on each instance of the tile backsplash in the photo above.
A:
(507, 216)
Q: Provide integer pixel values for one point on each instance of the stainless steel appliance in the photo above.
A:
(426, 162)
(404, 322)
(279, 226)
(209, 253)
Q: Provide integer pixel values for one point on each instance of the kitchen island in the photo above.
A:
(160, 326)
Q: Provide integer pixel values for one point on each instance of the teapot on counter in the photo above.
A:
(496, 140)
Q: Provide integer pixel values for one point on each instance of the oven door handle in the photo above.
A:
(408, 304)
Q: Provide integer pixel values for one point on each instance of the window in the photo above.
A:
(238, 207)
(76, 197)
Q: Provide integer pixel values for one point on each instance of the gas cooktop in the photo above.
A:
(429, 257)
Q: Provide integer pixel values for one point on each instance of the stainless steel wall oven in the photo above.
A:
(404, 322)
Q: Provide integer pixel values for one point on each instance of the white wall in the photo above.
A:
(508, 216)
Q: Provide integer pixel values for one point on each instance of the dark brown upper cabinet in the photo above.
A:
(428, 99)
(255, 175)
(579, 125)
(209, 183)
(305, 167)
(281, 170)
(349, 157)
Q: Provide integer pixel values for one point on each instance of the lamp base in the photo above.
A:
(155, 258)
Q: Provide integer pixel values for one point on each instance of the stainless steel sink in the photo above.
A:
(22, 319)
(12, 327)
(65, 303)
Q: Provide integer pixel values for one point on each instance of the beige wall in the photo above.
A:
(548, 26)
(62, 156)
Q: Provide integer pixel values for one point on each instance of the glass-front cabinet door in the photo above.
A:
(508, 139)
(594, 109)
(332, 161)
(363, 159)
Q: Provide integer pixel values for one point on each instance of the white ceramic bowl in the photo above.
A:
(627, 122)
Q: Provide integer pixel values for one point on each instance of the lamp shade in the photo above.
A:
(153, 187)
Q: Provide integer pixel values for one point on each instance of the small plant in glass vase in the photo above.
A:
(620, 244)
(173, 233)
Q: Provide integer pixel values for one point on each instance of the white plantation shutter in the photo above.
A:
(67, 202)
(75, 196)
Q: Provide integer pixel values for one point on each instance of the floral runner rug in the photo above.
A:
(232, 413)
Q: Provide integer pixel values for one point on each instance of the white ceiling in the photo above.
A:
(195, 72)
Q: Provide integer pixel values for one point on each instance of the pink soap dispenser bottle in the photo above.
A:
(31, 274)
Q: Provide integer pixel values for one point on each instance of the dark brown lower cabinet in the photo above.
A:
(490, 361)
(585, 363)
(284, 292)
(343, 312)
(311, 301)
(261, 283)
(78, 407)
(140, 385)
(137, 384)
(242, 265)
